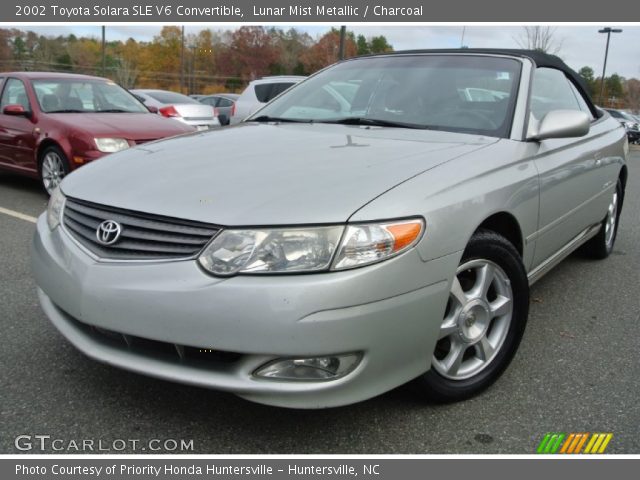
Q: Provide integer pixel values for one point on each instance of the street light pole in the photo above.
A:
(343, 32)
(182, 61)
(104, 52)
(608, 31)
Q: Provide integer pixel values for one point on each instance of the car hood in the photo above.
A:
(132, 126)
(265, 174)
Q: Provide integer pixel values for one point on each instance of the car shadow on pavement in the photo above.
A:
(12, 181)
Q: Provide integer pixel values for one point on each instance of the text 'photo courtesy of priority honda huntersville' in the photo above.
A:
(378, 223)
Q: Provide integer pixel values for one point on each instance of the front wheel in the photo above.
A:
(484, 320)
(54, 166)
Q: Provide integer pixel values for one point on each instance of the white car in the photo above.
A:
(179, 107)
(260, 92)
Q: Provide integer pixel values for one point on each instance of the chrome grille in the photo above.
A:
(143, 236)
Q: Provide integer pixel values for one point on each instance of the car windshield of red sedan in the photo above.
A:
(84, 96)
(461, 93)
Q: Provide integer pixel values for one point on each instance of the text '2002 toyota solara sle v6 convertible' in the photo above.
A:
(379, 223)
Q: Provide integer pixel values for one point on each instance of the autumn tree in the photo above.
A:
(290, 46)
(162, 55)
(126, 58)
(250, 53)
(632, 94)
(326, 51)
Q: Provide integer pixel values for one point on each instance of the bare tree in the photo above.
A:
(126, 73)
(540, 38)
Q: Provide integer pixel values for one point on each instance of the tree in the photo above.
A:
(290, 46)
(250, 53)
(380, 44)
(326, 50)
(362, 45)
(589, 78)
(613, 86)
(632, 94)
(540, 38)
(126, 62)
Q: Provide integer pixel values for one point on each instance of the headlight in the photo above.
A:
(312, 249)
(271, 251)
(54, 209)
(111, 145)
(366, 244)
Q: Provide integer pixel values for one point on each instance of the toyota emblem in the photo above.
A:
(108, 232)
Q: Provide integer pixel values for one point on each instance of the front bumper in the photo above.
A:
(390, 312)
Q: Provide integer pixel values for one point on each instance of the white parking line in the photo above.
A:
(21, 216)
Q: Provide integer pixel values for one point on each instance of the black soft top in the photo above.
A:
(540, 59)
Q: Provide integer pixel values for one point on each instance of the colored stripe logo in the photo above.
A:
(574, 443)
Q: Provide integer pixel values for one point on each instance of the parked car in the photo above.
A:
(179, 107)
(258, 93)
(53, 123)
(196, 96)
(222, 104)
(629, 122)
(322, 257)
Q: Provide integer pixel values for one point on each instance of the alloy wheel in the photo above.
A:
(610, 222)
(476, 321)
(53, 171)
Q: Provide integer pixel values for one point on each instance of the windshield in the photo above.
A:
(463, 93)
(84, 96)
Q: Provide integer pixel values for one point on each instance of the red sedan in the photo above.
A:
(53, 123)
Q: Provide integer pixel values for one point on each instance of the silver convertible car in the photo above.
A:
(379, 223)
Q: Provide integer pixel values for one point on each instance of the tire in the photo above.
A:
(484, 321)
(53, 166)
(601, 246)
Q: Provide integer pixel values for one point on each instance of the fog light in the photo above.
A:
(313, 369)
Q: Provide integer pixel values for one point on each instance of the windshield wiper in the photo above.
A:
(267, 118)
(114, 110)
(373, 122)
(67, 110)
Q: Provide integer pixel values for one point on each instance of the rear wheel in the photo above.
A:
(601, 245)
(54, 166)
(483, 323)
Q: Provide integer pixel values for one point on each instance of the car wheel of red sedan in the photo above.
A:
(54, 166)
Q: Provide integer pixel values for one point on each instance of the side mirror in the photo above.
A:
(152, 108)
(16, 110)
(561, 124)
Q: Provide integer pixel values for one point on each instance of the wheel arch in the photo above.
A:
(45, 143)
(505, 224)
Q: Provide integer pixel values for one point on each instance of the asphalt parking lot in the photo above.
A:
(576, 371)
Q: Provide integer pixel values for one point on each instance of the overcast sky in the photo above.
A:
(581, 45)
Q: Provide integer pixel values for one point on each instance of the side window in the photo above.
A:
(15, 93)
(582, 102)
(551, 91)
(266, 92)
